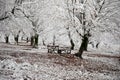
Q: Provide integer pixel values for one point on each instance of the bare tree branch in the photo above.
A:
(101, 6)
(1, 19)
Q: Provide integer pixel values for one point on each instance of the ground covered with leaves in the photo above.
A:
(22, 62)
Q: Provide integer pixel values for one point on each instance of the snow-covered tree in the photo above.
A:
(92, 14)
(29, 12)
(5, 29)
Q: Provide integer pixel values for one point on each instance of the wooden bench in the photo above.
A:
(52, 48)
(64, 50)
(57, 49)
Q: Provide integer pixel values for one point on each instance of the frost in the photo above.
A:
(59, 21)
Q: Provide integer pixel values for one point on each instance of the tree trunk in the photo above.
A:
(85, 43)
(32, 40)
(36, 40)
(79, 54)
(97, 45)
(27, 39)
(16, 38)
(43, 42)
(7, 39)
(83, 47)
(72, 44)
(71, 41)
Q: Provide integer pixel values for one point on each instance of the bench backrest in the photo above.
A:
(52, 47)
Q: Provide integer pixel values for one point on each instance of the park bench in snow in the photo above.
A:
(57, 49)
(52, 48)
(64, 50)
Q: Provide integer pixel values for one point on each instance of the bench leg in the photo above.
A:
(59, 51)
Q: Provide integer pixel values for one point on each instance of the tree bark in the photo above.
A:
(83, 47)
(72, 44)
(27, 39)
(85, 43)
(16, 38)
(32, 40)
(7, 39)
(71, 41)
(36, 40)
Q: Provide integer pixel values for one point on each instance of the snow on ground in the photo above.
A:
(22, 62)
